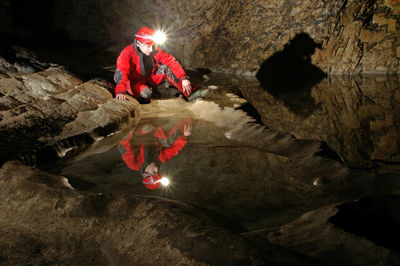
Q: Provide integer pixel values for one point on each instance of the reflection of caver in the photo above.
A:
(141, 66)
(148, 159)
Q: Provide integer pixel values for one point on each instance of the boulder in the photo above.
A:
(43, 104)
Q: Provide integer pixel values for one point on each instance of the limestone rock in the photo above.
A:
(364, 232)
(44, 221)
(237, 36)
(41, 105)
(356, 116)
(247, 175)
(18, 60)
(364, 39)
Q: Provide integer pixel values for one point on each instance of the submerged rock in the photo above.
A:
(363, 232)
(44, 221)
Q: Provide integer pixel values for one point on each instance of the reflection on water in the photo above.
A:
(289, 75)
(206, 169)
(218, 159)
(148, 158)
(357, 116)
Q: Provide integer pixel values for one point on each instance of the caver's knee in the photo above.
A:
(142, 90)
(164, 69)
(146, 93)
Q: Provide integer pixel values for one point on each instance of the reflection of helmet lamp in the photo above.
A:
(155, 181)
(164, 181)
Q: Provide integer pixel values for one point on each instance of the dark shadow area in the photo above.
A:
(37, 16)
(37, 19)
(82, 58)
(54, 45)
(375, 218)
(289, 74)
(251, 111)
(232, 224)
(80, 184)
(327, 152)
(204, 71)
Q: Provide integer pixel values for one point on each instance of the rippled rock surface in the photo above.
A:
(364, 232)
(44, 221)
(250, 174)
(246, 178)
(236, 188)
(42, 105)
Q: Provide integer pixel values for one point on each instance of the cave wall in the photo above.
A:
(114, 24)
(364, 38)
(236, 36)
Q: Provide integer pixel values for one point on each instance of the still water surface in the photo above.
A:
(244, 174)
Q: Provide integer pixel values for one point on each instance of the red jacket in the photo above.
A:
(130, 64)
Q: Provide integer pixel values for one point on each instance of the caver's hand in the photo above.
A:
(187, 86)
(187, 130)
(121, 97)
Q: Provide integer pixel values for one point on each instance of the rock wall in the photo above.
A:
(237, 36)
(364, 38)
(42, 105)
(228, 36)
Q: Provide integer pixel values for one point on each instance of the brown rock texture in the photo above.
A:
(344, 234)
(364, 38)
(237, 36)
(42, 105)
(44, 221)
(356, 116)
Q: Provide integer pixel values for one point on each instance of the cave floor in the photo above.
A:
(259, 160)
(255, 158)
(243, 174)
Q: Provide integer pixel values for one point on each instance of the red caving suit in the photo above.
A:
(131, 76)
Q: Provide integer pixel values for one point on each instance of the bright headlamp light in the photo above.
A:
(164, 181)
(159, 37)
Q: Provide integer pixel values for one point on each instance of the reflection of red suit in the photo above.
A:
(168, 145)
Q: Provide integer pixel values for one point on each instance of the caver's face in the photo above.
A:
(146, 49)
(151, 169)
